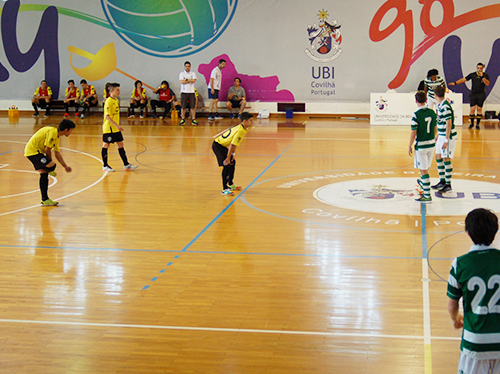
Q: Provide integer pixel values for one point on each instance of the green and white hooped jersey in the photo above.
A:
(424, 121)
(444, 113)
(431, 85)
(476, 277)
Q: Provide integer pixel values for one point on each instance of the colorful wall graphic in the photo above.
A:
(313, 51)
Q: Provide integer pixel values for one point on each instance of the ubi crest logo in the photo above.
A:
(324, 39)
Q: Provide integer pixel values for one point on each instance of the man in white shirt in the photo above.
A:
(214, 88)
(187, 79)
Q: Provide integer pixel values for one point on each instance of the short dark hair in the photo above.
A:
(432, 73)
(164, 83)
(71, 81)
(439, 91)
(66, 124)
(246, 116)
(136, 83)
(43, 81)
(187, 62)
(480, 63)
(112, 86)
(482, 226)
(421, 97)
(221, 61)
(238, 79)
(83, 81)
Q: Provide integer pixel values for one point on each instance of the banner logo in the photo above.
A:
(324, 39)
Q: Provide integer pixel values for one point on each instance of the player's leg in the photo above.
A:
(154, 103)
(184, 101)
(192, 106)
(229, 107)
(121, 150)
(243, 104)
(221, 153)
(47, 107)
(472, 116)
(34, 103)
(107, 139)
(480, 102)
(142, 105)
(447, 155)
(440, 163)
(132, 108)
(423, 161)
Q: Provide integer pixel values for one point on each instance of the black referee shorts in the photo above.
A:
(477, 99)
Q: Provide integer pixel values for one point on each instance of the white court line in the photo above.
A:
(213, 329)
(26, 193)
(64, 197)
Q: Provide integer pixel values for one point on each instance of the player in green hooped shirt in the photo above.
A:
(423, 134)
(475, 277)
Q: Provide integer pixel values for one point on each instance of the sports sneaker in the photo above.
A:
(438, 186)
(424, 200)
(131, 116)
(227, 192)
(182, 122)
(76, 114)
(471, 126)
(49, 202)
(194, 122)
(231, 116)
(218, 116)
(477, 127)
(46, 115)
(234, 187)
(35, 115)
(446, 188)
(239, 116)
(82, 116)
(141, 116)
(66, 114)
(109, 169)
(130, 167)
(211, 118)
(52, 173)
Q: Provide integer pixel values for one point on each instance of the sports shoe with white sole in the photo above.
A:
(227, 192)
(130, 167)
(109, 169)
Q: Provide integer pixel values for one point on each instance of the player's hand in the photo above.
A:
(226, 162)
(68, 169)
(213, 91)
(451, 84)
(459, 322)
(444, 146)
(410, 150)
(119, 128)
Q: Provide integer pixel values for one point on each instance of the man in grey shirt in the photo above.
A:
(236, 98)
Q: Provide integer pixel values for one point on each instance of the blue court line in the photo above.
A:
(4, 153)
(424, 232)
(232, 202)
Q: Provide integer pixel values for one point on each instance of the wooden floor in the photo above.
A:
(153, 271)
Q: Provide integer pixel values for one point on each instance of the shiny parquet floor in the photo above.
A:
(153, 271)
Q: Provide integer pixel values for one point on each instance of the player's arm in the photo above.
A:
(448, 132)
(155, 91)
(230, 154)
(486, 81)
(460, 81)
(61, 161)
(413, 135)
(212, 85)
(110, 120)
(456, 317)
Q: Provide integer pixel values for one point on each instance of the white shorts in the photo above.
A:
(449, 151)
(432, 103)
(423, 158)
(468, 365)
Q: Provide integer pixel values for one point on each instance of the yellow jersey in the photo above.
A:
(232, 136)
(112, 109)
(41, 92)
(45, 137)
(70, 94)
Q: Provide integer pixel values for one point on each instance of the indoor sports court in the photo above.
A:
(323, 263)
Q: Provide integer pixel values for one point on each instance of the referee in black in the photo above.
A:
(477, 94)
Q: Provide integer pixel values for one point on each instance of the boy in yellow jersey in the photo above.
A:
(42, 98)
(39, 151)
(71, 98)
(112, 130)
(224, 148)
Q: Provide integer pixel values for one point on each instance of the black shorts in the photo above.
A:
(92, 101)
(220, 152)
(477, 99)
(112, 137)
(42, 103)
(215, 96)
(235, 103)
(188, 100)
(39, 161)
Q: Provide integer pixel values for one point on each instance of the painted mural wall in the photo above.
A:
(283, 50)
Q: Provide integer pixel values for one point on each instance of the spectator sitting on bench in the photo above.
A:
(236, 97)
(71, 97)
(42, 98)
(138, 99)
(88, 97)
(165, 99)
